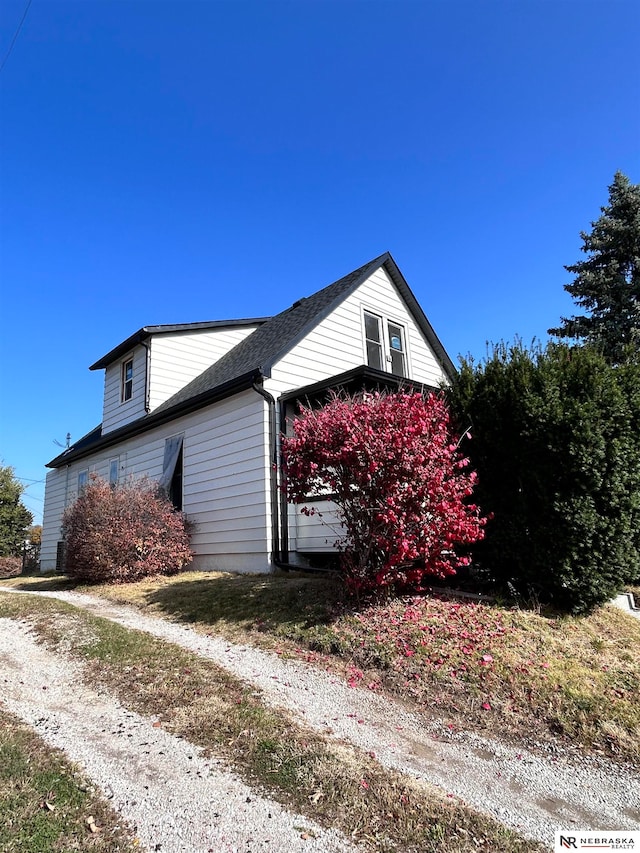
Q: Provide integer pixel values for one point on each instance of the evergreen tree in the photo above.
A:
(607, 284)
(555, 445)
(15, 518)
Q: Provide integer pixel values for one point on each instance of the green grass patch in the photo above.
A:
(45, 803)
(336, 785)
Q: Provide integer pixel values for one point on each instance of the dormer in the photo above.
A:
(153, 364)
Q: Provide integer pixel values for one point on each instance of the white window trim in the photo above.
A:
(169, 464)
(381, 329)
(115, 462)
(124, 381)
(386, 350)
(82, 486)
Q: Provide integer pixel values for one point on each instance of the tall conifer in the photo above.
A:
(607, 283)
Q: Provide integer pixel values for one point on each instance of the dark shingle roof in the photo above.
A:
(261, 349)
(254, 356)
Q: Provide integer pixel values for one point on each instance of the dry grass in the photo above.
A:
(542, 676)
(334, 785)
(45, 803)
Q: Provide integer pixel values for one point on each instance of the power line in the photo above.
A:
(15, 36)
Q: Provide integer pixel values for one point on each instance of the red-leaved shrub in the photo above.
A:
(10, 567)
(124, 533)
(392, 466)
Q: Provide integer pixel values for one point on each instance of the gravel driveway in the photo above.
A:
(174, 799)
(534, 794)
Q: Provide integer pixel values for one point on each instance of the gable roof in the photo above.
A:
(253, 358)
(269, 343)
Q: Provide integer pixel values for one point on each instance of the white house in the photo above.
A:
(199, 406)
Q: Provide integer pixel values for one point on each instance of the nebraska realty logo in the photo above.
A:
(569, 839)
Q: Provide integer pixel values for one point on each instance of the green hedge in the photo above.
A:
(556, 444)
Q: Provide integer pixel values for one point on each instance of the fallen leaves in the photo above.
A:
(426, 639)
(90, 821)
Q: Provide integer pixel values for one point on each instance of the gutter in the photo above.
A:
(278, 498)
(147, 376)
(159, 417)
(273, 471)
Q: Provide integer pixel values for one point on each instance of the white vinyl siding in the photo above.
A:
(225, 481)
(62, 488)
(177, 359)
(315, 533)
(174, 360)
(117, 412)
(334, 346)
(55, 501)
(337, 344)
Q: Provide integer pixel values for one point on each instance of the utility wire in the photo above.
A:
(15, 36)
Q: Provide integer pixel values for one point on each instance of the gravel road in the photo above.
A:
(531, 792)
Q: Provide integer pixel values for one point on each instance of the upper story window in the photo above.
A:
(385, 350)
(373, 337)
(397, 349)
(127, 380)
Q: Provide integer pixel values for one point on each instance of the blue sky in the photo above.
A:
(178, 161)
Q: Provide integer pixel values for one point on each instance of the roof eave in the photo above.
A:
(421, 318)
(133, 340)
(358, 376)
(385, 260)
(146, 332)
(156, 419)
(373, 265)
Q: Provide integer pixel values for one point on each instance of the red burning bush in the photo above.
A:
(402, 487)
(124, 533)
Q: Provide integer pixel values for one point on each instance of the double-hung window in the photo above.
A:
(373, 336)
(386, 344)
(127, 380)
(397, 349)
(83, 480)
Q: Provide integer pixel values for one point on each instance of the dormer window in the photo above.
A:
(127, 380)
